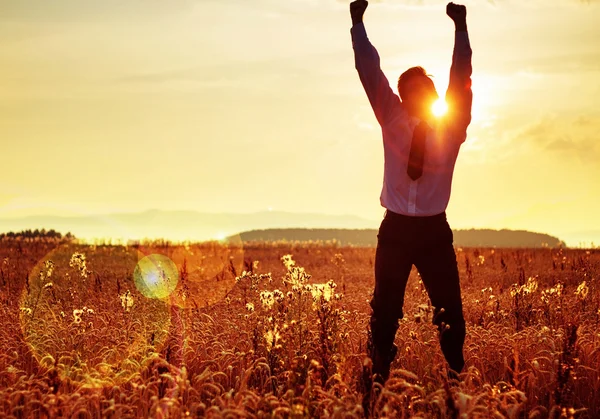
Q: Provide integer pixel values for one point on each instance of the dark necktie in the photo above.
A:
(417, 151)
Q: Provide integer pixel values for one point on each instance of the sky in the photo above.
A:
(241, 106)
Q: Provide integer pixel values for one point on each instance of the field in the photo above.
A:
(279, 330)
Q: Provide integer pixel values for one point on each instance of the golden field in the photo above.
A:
(279, 330)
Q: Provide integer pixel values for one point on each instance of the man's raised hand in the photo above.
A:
(357, 10)
(458, 13)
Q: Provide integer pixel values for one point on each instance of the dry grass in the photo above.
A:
(253, 333)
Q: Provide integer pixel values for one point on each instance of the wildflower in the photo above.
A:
(77, 316)
(250, 307)
(242, 276)
(255, 265)
(26, 310)
(288, 262)
(324, 291)
(529, 288)
(78, 262)
(582, 291)
(48, 285)
(267, 299)
(298, 409)
(49, 267)
(556, 290)
(296, 275)
(338, 259)
(271, 337)
(278, 296)
(126, 300)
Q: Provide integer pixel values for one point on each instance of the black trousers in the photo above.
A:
(425, 242)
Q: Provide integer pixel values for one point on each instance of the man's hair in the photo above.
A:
(409, 74)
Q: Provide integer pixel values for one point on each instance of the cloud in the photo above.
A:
(566, 136)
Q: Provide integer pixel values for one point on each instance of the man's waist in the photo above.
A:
(415, 218)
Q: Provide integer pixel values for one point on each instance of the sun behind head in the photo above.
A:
(439, 108)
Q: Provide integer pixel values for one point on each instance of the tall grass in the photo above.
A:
(280, 330)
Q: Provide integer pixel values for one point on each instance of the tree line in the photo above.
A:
(37, 234)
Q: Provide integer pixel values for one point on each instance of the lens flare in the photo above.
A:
(79, 315)
(156, 276)
(439, 107)
(207, 271)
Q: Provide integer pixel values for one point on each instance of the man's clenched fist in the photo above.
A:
(458, 13)
(357, 10)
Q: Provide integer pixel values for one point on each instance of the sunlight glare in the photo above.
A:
(439, 107)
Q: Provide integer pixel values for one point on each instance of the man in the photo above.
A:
(420, 153)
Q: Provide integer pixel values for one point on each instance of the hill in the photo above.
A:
(368, 237)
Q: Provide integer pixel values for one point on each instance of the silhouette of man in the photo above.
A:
(420, 153)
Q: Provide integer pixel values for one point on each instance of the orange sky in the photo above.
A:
(237, 106)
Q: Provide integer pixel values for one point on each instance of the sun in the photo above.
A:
(439, 107)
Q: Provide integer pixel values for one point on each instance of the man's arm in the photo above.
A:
(367, 63)
(459, 95)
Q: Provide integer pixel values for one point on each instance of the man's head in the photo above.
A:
(417, 91)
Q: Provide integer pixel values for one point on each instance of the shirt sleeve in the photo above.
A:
(459, 95)
(367, 62)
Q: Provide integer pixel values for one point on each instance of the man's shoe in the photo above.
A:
(382, 363)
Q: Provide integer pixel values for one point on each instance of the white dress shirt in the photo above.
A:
(429, 194)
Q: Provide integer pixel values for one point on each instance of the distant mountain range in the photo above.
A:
(368, 237)
(265, 225)
(179, 225)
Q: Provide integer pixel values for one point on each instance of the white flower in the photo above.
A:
(582, 291)
(126, 300)
(78, 262)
